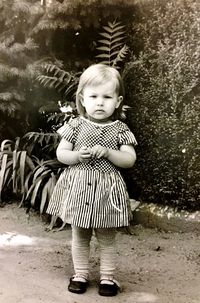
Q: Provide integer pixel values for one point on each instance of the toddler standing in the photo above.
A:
(91, 194)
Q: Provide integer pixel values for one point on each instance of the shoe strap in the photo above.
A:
(110, 282)
(79, 278)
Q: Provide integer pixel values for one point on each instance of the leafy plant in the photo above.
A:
(27, 177)
(162, 85)
(17, 49)
(15, 165)
(79, 14)
(64, 82)
(46, 141)
(40, 183)
(112, 47)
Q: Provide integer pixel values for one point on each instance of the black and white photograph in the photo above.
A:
(100, 151)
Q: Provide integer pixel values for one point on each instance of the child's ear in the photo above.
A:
(81, 99)
(120, 99)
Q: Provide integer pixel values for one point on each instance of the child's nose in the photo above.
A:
(100, 101)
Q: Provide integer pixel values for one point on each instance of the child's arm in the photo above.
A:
(66, 155)
(125, 157)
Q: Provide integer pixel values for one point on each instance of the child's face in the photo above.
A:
(101, 101)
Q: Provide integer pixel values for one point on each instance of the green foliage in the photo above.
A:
(14, 57)
(40, 183)
(17, 68)
(47, 141)
(68, 30)
(15, 165)
(113, 50)
(26, 176)
(62, 33)
(62, 81)
(162, 83)
(80, 14)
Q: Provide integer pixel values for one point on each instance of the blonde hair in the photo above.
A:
(97, 74)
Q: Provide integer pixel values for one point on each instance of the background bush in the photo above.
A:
(34, 33)
(162, 84)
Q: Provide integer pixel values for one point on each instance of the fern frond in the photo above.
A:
(55, 69)
(111, 46)
(120, 56)
(104, 56)
(106, 35)
(36, 135)
(104, 48)
(114, 24)
(47, 81)
(114, 41)
(71, 88)
(104, 42)
(63, 81)
(113, 29)
(58, 72)
(43, 139)
(115, 46)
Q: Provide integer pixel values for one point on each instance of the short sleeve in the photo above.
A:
(126, 136)
(68, 130)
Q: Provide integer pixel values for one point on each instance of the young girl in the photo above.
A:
(91, 194)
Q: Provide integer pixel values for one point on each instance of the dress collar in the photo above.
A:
(98, 124)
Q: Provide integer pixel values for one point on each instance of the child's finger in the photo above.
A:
(100, 154)
(85, 153)
(95, 150)
(95, 154)
(86, 156)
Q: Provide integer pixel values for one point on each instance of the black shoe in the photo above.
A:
(77, 287)
(107, 289)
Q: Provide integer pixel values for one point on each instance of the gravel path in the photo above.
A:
(153, 266)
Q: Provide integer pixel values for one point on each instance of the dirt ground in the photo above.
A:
(153, 266)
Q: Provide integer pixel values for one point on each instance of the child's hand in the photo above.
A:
(99, 151)
(84, 154)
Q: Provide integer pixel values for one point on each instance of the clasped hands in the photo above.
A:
(88, 153)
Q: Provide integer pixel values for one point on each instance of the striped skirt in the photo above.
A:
(90, 198)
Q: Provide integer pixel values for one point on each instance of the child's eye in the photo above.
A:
(107, 97)
(93, 96)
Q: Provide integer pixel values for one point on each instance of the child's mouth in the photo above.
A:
(99, 111)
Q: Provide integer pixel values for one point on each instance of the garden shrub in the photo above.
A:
(162, 85)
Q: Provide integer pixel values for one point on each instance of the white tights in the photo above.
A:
(81, 238)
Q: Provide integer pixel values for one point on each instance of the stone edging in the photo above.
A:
(164, 217)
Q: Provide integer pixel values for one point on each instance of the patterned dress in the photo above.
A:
(92, 194)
